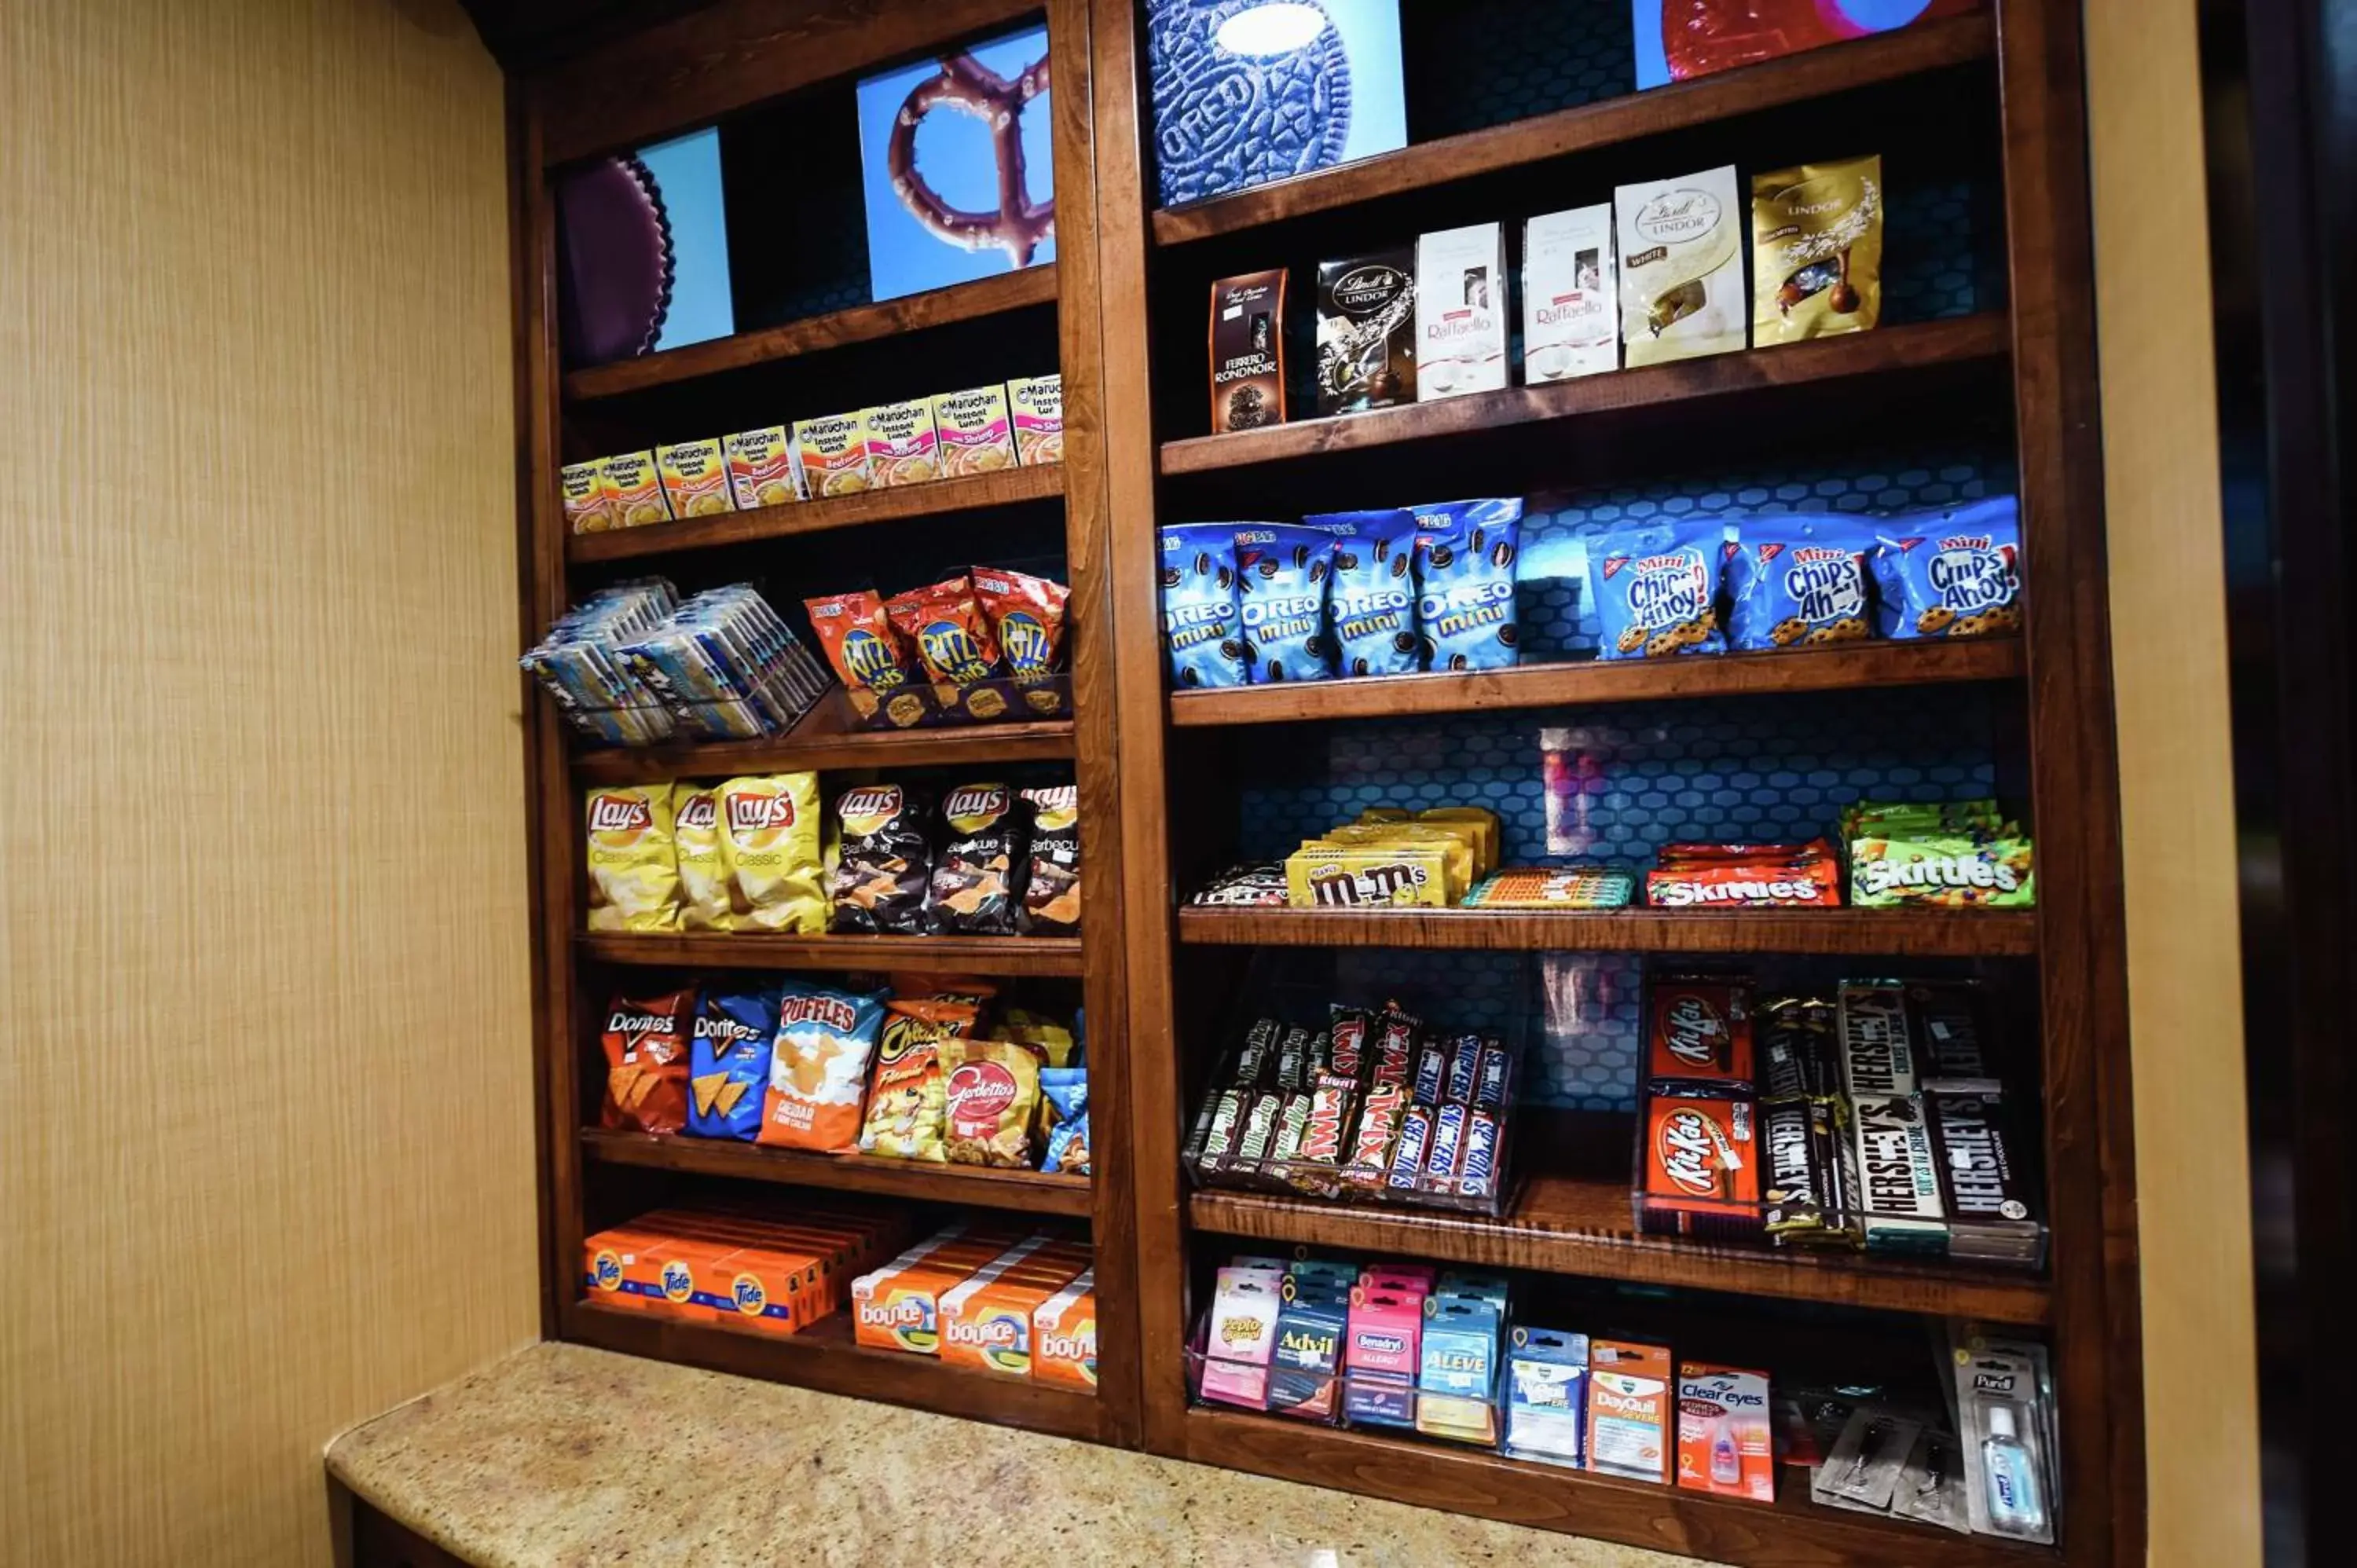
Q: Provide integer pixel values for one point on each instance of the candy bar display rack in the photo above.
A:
(775, 72)
(1170, 782)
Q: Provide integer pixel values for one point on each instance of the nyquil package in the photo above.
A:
(1371, 599)
(1281, 570)
(1465, 572)
(1199, 604)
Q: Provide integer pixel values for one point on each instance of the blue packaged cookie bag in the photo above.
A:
(1799, 581)
(1371, 599)
(1200, 622)
(728, 1061)
(1465, 560)
(1655, 588)
(1281, 579)
(1953, 571)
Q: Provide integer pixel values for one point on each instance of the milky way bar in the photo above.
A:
(1293, 1060)
(1899, 1179)
(1991, 1207)
(1253, 1056)
(1877, 1060)
(1222, 1127)
(1258, 1136)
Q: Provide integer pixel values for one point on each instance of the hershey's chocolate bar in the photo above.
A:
(1878, 1059)
(1947, 1029)
(1898, 1181)
(1796, 1047)
(1991, 1209)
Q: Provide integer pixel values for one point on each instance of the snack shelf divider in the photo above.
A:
(740, 949)
(1900, 933)
(825, 739)
(1029, 1192)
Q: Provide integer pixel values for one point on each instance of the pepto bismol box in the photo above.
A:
(1200, 630)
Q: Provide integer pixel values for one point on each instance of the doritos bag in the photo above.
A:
(904, 1106)
(769, 845)
(979, 876)
(994, 1088)
(1051, 892)
(729, 1062)
(633, 869)
(884, 864)
(646, 1063)
(702, 878)
(819, 1067)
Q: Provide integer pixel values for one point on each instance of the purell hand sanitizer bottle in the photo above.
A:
(2010, 1475)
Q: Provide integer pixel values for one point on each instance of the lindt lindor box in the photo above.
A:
(1366, 331)
(1460, 311)
(1571, 314)
(1682, 267)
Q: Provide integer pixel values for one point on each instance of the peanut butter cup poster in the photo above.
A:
(956, 165)
(643, 252)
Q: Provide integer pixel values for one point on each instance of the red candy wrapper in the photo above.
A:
(1700, 1032)
(864, 647)
(1745, 876)
(1700, 1162)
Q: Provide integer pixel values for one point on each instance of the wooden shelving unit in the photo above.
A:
(1008, 486)
(755, 949)
(1027, 1192)
(825, 740)
(1901, 933)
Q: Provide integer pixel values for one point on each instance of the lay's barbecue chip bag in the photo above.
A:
(633, 869)
(769, 847)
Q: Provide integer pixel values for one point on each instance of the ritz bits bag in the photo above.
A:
(978, 879)
(993, 1095)
(633, 868)
(818, 1067)
(702, 878)
(646, 1046)
(769, 848)
(954, 642)
(869, 654)
(905, 1106)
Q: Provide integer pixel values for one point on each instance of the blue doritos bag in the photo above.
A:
(729, 1062)
(1799, 581)
(1956, 572)
(1371, 600)
(1655, 586)
(1281, 572)
(1200, 622)
(1465, 553)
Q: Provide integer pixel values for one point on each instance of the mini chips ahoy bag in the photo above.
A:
(1655, 587)
(729, 1062)
(1281, 573)
(1200, 627)
(1465, 553)
(1371, 595)
(1952, 573)
(1796, 581)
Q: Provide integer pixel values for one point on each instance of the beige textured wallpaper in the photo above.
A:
(2169, 633)
(265, 1134)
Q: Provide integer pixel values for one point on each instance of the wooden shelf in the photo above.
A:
(954, 955)
(1898, 933)
(1885, 352)
(860, 324)
(1028, 1192)
(1887, 58)
(1789, 1533)
(1005, 488)
(824, 740)
(1607, 680)
(826, 1357)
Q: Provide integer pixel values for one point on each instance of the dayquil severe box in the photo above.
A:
(1629, 1410)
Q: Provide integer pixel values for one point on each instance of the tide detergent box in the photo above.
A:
(1064, 1335)
(1546, 1395)
(1629, 1410)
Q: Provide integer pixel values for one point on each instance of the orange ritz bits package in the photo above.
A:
(871, 656)
(955, 642)
(646, 1062)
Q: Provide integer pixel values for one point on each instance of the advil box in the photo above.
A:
(1064, 1335)
(1724, 1444)
(1629, 1410)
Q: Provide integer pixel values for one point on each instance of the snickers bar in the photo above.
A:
(1431, 1072)
(1448, 1148)
(1464, 1066)
(1493, 1084)
(1478, 1172)
(1408, 1153)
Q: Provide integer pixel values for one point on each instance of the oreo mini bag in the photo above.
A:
(1465, 553)
(1655, 588)
(1956, 572)
(1371, 593)
(1281, 572)
(1199, 604)
(1796, 581)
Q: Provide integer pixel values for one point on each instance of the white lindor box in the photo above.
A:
(1460, 311)
(1571, 315)
(1682, 244)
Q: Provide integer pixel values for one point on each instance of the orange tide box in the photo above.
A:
(985, 1319)
(897, 1308)
(816, 1256)
(1064, 1335)
(761, 468)
(694, 477)
(720, 1279)
(606, 1258)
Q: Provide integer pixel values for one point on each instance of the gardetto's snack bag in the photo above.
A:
(769, 847)
(633, 868)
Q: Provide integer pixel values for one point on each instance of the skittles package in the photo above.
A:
(818, 1069)
(1655, 588)
(869, 654)
(729, 1062)
(905, 1103)
(1027, 614)
(978, 877)
(1952, 573)
(769, 848)
(646, 1063)
(952, 640)
(1200, 626)
(633, 869)
(884, 862)
(1465, 553)
(1370, 596)
(703, 877)
(1795, 582)
(1281, 572)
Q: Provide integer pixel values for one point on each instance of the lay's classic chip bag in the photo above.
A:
(1200, 627)
(818, 1066)
(633, 869)
(1655, 588)
(729, 1062)
(1281, 571)
(1465, 553)
(1799, 581)
(1370, 596)
(769, 834)
(702, 878)
(1952, 573)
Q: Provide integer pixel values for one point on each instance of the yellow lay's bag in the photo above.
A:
(703, 879)
(633, 871)
(770, 848)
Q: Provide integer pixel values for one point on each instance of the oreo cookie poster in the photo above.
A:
(955, 165)
(1251, 90)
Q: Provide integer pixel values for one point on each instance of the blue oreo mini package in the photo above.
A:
(1199, 604)
(729, 1062)
(1465, 553)
(1281, 572)
(1954, 572)
(1655, 588)
(1794, 582)
(1370, 601)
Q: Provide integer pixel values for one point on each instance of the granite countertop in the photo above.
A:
(563, 1457)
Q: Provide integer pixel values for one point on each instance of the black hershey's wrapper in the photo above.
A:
(1795, 1038)
(1992, 1207)
(1949, 1024)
